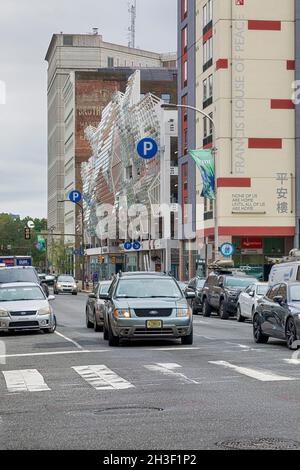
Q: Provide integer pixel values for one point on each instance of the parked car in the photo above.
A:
(146, 305)
(221, 292)
(24, 306)
(278, 315)
(94, 310)
(248, 300)
(22, 274)
(48, 279)
(65, 284)
(196, 285)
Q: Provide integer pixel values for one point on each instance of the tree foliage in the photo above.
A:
(12, 240)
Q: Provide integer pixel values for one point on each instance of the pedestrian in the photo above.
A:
(95, 279)
(86, 281)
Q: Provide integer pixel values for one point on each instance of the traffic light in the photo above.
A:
(27, 233)
(101, 259)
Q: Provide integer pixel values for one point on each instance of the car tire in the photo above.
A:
(291, 334)
(112, 340)
(239, 315)
(258, 335)
(224, 315)
(87, 321)
(105, 333)
(194, 309)
(188, 339)
(50, 330)
(97, 327)
(206, 309)
(74, 293)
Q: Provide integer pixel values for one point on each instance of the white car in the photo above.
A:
(248, 300)
(24, 306)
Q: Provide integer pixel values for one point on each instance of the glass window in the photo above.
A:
(238, 281)
(147, 288)
(104, 288)
(18, 275)
(200, 283)
(210, 86)
(205, 90)
(261, 289)
(65, 279)
(166, 97)
(13, 294)
(272, 292)
(205, 16)
(282, 291)
(110, 61)
(185, 71)
(295, 293)
(68, 40)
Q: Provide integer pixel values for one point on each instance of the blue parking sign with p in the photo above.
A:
(75, 196)
(147, 148)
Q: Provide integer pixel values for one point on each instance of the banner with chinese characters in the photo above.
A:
(205, 162)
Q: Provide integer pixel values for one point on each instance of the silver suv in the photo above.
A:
(147, 305)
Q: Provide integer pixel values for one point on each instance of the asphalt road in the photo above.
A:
(77, 393)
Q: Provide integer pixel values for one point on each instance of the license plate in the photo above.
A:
(154, 324)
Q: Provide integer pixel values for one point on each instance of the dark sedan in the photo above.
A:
(94, 309)
(196, 285)
(278, 315)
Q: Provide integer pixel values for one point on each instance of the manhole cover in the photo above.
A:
(260, 444)
(128, 409)
(117, 410)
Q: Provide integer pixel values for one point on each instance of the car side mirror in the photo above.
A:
(251, 294)
(278, 299)
(190, 294)
(51, 297)
(92, 296)
(104, 297)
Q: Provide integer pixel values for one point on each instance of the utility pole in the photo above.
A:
(131, 29)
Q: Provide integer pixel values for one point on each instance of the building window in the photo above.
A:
(68, 40)
(207, 130)
(110, 61)
(208, 91)
(185, 73)
(207, 54)
(166, 97)
(185, 141)
(207, 13)
(184, 39)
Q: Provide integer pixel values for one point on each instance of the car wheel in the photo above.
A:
(206, 309)
(188, 339)
(74, 293)
(88, 323)
(97, 327)
(105, 333)
(112, 340)
(239, 315)
(50, 330)
(224, 315)
(258, 335)
(291, 334)
(194, 309)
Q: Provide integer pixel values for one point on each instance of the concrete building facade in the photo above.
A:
(245, 68)
(78, 52)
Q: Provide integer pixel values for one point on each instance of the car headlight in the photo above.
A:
(59, 286)
(75, 286)
(3, 313)
(120, 313)
(45, 311)
(183, 312)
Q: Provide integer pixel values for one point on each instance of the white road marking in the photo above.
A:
(54, 353)
(263, 376)
(246, 348)
(205, 337)
(172, 348)
(29, 380)
(292, 361)
(102, 378)
(69, 339)
(167, 368)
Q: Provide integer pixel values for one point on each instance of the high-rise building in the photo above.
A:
(244, 61)
(78, 52)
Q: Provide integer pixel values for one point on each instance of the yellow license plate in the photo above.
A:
(154, 324)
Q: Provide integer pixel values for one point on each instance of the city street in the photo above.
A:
(70, 390)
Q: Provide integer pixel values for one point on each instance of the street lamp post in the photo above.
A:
(216, 229)
(82, 237)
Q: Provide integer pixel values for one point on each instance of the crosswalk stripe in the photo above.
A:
(263, 376)
(168, 368)
(102, 378)
(29, 380)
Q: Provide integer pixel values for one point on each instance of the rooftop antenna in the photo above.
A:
(131, 29)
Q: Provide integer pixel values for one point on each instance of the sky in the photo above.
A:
(26, 28)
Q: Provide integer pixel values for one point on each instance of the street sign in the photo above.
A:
(136, 246)
(30, 224)
(227, 250)
(127, 246)
(75, 196)
(147, 148)
(78, 252)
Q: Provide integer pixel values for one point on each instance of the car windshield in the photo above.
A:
(242, 282)
(200, 283)
(148, 288)
(11, 294)
(295, 293)
(17, 275)
(65, 279)
(262, 290)
(104, 288)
